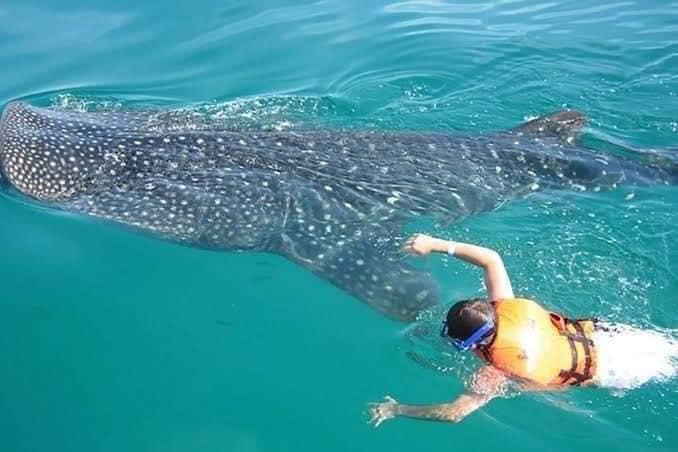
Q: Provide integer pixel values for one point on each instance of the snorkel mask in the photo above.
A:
(473, 340)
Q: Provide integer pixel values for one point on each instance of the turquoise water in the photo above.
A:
(112, 341)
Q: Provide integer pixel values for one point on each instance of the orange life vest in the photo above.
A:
(534, 344)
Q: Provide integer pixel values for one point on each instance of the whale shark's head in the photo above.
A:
(47, 158)
(4, 182)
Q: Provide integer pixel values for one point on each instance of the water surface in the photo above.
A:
(113, 341)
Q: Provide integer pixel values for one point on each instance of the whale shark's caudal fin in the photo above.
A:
(565, 124)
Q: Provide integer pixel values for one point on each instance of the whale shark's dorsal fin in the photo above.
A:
(565, 124)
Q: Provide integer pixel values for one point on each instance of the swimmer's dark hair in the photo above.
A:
(466, 316)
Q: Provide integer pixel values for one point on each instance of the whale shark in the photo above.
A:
(333, 201)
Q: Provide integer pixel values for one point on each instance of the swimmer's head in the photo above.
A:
(468, 317)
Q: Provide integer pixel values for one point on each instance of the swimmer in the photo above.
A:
(520, 341)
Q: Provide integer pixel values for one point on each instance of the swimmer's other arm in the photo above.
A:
(497, 280)
(445, 412)
(488, 381)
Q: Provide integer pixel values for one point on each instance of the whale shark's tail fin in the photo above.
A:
(565, 124)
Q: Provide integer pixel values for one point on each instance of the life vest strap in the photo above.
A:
(587, 344)
(571, 376)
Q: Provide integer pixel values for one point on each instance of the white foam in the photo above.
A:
(629, 357)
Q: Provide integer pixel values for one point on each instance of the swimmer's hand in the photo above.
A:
(488, 383)
(497, 280)
(423, 245)
(383, 411)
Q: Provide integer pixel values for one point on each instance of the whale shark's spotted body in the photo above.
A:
(332, 201)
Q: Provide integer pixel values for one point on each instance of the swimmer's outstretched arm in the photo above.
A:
(497, 280)
(488, 384)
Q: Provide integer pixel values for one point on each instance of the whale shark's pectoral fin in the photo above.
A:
(565, 124)
(367, 263)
